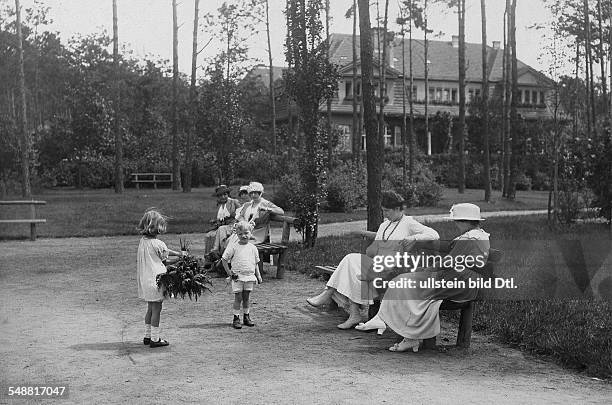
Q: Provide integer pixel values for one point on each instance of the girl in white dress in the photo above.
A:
(152, 253)
(348, 286)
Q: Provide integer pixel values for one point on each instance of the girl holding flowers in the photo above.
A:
(151, 259)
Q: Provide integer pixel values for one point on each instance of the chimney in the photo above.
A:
(496, 44)
(455, 41)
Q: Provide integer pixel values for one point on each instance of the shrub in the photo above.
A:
(540, 181)
(290, 189)
(523, 182)
(428, 193)
(346, 187)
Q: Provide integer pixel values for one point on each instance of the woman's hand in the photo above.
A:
(259, 279)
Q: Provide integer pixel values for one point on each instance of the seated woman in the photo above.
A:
(225, 231)
(397, 234)
(413, 312)
(257, 212)
(226, 215)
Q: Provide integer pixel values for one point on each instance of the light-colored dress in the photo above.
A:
(387, 242)
(413, 312)
(151, 253)
(214, 239)
(251, 212)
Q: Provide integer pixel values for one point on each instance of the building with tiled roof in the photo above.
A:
(443, 83)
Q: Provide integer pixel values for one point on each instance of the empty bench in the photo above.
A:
(32, 220)
(151, 178)
(277, 249)
(464, 333)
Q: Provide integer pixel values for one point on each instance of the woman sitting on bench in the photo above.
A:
(414, 312)
(397, 234)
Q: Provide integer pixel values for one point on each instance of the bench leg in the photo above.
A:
(280, 265)
(464, 335)
(32, 231)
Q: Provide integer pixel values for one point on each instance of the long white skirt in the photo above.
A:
(347, 283)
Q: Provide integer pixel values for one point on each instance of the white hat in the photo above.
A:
(243, 188)
(255, 186)
(465, 212)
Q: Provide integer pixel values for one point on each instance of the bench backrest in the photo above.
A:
(287, 223)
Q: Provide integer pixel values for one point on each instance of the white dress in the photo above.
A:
(151, 253)
(387, 242)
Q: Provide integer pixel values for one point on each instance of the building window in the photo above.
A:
(388, 136)
(446, 95)
(454, 95)
(527, 97)
(348, 90)
(470, 95)
(414, 93)
(542, 99)
(344, 137)
(477, 93)
(398, 136)
(438, 94)
(432, 93)
(534, 97)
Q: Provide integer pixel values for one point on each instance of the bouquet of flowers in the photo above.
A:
(186, 277)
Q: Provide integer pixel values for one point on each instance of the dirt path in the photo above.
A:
(70, 316)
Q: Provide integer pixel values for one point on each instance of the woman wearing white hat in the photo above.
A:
(226, 215)
(225, 231)
(258, 211)
(413, 312)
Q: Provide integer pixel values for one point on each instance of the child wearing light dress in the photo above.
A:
(152, 254)
(244, 272)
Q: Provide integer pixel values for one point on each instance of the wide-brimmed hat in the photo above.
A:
(222, 189)
(255, 186)
(465, 212)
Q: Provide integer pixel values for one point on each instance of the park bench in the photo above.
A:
(32, 220)
(464, 333)
(279, 250)
(151, 178)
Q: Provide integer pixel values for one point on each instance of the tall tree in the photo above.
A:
(485, 103)
(176, 172)
(506, 137)
(402, 22)
(23, 122)
(356, 127)
(374, 146)
(602, 56)
(382, 87)
(117, 107)
(514, 119)
(328, 115)
(272, 90)
(461, 125)
(426, 68)
(193, 99)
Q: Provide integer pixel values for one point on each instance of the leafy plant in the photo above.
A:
(187, 277)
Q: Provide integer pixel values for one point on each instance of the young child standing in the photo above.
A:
(243, 257)
(152, 254)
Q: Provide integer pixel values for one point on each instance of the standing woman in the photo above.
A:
(349, 286)
(413, 312)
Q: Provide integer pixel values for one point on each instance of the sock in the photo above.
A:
(148, 330)
(236, 312)
(155, 333)
(246, 310)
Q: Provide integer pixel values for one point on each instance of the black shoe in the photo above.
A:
(236, 322)
(159, 343)
(146, 341)
(247, 320)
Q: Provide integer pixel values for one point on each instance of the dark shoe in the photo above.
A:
(159, 343)
(247, 320)
(236, 322)
(146, 341)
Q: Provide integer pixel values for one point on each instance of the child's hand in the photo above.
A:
(259, 279)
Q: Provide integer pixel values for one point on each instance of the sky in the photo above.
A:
(145, 26)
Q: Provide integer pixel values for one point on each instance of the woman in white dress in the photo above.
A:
(413, 313)
(258, 211)
(348, 286)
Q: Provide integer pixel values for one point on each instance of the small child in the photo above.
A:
(152, 254)
(243, 257)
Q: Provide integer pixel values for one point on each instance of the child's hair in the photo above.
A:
(152, 223)
(243, 226)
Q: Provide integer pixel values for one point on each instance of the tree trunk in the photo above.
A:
(176, 173)
(589, 60)
(328, 122)
(373, 144)
(425, 62)
(513, 106)
(485, 104)
(117, 106)
(26, 190)
(411, 140)
(602, 58)
(507, 151)
(193, 99)
(461, 126)
(382, 87)
(404, 171)
(356, 133)
(272, 95)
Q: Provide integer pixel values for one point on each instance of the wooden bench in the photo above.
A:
(277, 249)
(464, 333)
(154, 178)
(32, 220)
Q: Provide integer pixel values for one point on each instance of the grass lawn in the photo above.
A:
(562, 305)
(103, 213)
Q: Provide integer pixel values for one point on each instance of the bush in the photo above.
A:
(290, 189)
(346, 187)
(428, 193)
(523, 182)
(540, 181)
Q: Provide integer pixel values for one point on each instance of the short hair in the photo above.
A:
(391, 199)
(474, 223)
(152, 223)
(243, 226)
